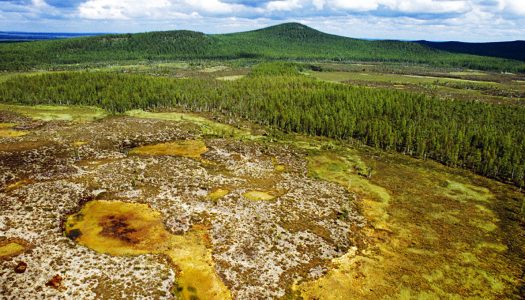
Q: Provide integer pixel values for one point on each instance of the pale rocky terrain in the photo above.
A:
(260, 248)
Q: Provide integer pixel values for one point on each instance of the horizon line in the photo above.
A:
(87, 34)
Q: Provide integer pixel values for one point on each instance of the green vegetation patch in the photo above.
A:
(231, 77)
(7, 131)
(57, 113)
(186, 148)
(349, 171)
(468, 73)
(258, 196)
(395, 78)
(467, 192)
(217, 194)
(214, 69)
(10, 247)
(276, 69)
(441, 240)
(208, 127)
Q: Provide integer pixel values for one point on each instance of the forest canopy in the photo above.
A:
(488, 139)
(290, 41)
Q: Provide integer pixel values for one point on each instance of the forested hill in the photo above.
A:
(511, 50)
(286, 41)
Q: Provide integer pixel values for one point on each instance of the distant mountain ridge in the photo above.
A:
(289, 41)
(510, 50)
(17, 36)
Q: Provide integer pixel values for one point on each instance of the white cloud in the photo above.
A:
(39, 3)
(127, 9)
(353, 5)
(114, 9)
(407, 6)
(284, 5)
(514, 7)
(430, 6)
(472, 20)
(212, 6)
(122, 9)
(318, 4)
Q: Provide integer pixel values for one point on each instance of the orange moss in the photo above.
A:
(120, 228)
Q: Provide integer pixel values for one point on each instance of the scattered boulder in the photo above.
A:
(21, 267)
(55, 282)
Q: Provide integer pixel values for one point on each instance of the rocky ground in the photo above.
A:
(165, 205)
(269, 224)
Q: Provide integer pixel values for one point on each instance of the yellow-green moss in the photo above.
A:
(278, 166)
(12, 247)
(258, 196)
(485, 225)
(449, 216)
(338, 283)
(208, 127)
(57, 113)
(467, 192)
(345, 170)
(214, 69)
(6, 131)
(230, 78)
(16, 185)
(120, 229)
(10, 133)
(492, 246)
(435, 243)
(6, 125)
(185, 148)
(217, 194)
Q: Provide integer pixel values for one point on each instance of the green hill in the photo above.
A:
(287, 41)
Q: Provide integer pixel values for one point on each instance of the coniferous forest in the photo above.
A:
(291, 41)
(488, 139)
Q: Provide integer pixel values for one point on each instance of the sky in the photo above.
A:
(436, 20)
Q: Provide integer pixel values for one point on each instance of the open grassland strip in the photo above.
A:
(207, 126)
(400, 79)
(57, 112)
(500, 92)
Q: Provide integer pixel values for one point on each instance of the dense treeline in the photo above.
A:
(276, 69)
(489, 139)
(287, 41)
